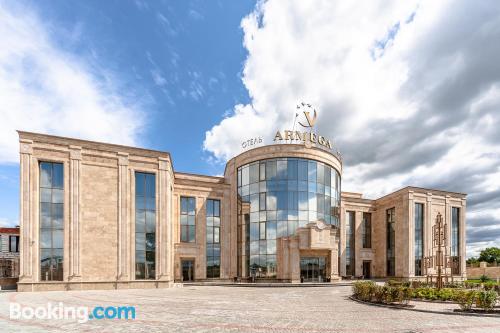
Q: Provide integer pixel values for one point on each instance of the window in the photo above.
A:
(145, 225)
(367, 230)
(13, 243)
(349, 248)
(51, 221)
(213, 238)
(455, 240)
(419, 235)
(188, 218)
(391, 241)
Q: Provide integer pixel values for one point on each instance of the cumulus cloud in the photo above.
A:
(408, 90)
(46, 89)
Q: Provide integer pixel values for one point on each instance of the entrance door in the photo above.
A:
(366, 269)
(187, 270)
(312, 269)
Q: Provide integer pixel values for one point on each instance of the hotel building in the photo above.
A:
(104, 216)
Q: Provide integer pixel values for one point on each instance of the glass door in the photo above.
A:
(312, 269)
(187, 270)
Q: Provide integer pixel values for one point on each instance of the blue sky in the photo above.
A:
(408, 91)
(183, 59)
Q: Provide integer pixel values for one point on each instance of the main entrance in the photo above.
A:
(312, 269)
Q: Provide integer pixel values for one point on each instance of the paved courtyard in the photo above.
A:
(236, 309)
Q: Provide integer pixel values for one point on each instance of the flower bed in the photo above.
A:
(390, 293)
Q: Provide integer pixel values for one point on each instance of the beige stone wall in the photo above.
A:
(202, 188)
(99, 212)
(477, 272)
(353, 202)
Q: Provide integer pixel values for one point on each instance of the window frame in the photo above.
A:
(54, 260)
(187, 229)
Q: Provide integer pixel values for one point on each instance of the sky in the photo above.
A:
(409, 91)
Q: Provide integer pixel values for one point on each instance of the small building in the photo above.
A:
(9, 257)
(102, 216)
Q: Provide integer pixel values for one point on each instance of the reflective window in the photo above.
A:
(419, 236)
(349, 244)
(390, 241)
(367, 230)
(188, 219)
(277, 196)
(213, 238)
(455, 239)
(51, 221)
(145, 225)
(13, 244)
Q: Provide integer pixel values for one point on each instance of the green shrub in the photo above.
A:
(465, 298)
(486, 299)
(363, 290)
(484, 278)
(445, 294)
(393, 283)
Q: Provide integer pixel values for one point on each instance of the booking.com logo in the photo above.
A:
(80, 313)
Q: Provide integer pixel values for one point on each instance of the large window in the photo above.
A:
(391, 241)
(455, 240)
(419, 235)
(188, 218)
(277, 196)
(349, 244)
(51, 221)
(213, 238)
(145, 225)
(367, 230)
(13, 244)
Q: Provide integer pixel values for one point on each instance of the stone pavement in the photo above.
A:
(242, 309)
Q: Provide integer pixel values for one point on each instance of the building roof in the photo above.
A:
(9, 231)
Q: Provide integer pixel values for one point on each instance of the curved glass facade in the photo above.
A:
(277, 196)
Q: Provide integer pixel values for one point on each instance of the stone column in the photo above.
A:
(123, 268)
(447, 220)
(75, 159)
(163, 232)
(411, 234)
(334, 253)
(462, 235)
(26, 210)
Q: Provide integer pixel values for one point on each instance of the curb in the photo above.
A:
(491, 315)
(270, 285)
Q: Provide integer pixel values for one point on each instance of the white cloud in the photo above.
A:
(5, 223)
(408, 90)
(45, 89)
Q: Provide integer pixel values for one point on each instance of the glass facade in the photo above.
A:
(455, 239)
(188, 219)
(145, 225)
(349, 244)
(367, 230)
(213, 238)
(419, 236)
(277, 196)
(391, 241)
(51, 221)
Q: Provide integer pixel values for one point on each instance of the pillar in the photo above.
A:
(25, 214)
(124, 257)
(75, 159)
